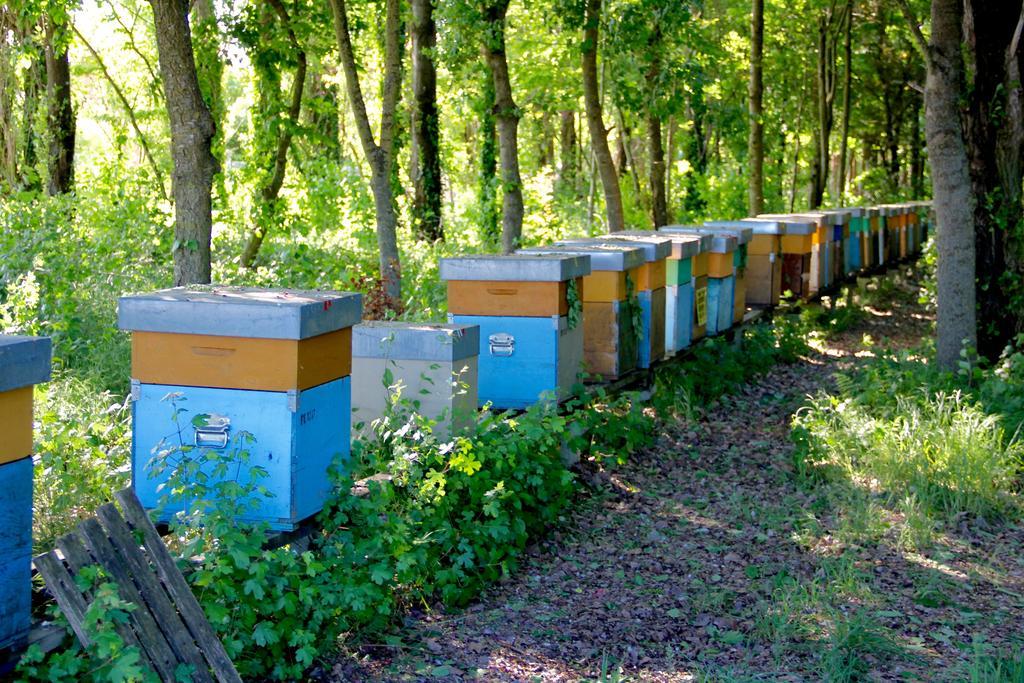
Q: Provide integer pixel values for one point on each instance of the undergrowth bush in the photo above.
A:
(453, 516)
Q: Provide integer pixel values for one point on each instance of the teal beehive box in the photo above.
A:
(240, 396)
(24, 362)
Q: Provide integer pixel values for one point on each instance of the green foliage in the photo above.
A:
(922, 439)
(108, 659)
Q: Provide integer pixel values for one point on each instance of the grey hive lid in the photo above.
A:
(818, 218)
(744, 232)
(602, 257)
(760, 226)
(720, 243)
(655, 248)
(680, 246)
(871, 211)
(24, 361)
(855, 211)
(703, 241)
(516, 267)
(415, 341)
(837, 216)
(250, 312)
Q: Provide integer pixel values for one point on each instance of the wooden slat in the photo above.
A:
(63, 588)
(78, 558)
(179, 590)
(164, 612)
(149, 633)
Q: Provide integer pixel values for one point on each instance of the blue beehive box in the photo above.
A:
(277, 418)
(24, 362)
(522, 358)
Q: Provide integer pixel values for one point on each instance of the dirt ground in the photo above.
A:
(704, 559)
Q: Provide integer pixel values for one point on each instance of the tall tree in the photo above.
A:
(755, 143)
(507, 116)
(830, 23)
(192, 130)
(426, 142)
(488, 178)
(595, 118)
(380, 157)
(656, 148)
(60, 114)
(844, 135)
(569, 166)
(282, 127)
(954, 200)
(995, 147)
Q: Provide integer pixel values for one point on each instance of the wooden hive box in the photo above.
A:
(869, 238)
(433, 366)
(679, 288)
(837, 225)
(721, 274)
(523, 358)
(797, 246)
(763, 273)
(650, 285)
(24, 362)
(852, 245)
(744, 234)
(699, 266)
(610, 306)
(258, 378)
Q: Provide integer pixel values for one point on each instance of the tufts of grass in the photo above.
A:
(855, 641)
(941, 454)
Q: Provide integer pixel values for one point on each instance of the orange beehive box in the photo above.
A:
(24, 362)
(241, 362)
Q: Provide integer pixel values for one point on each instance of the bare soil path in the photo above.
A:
(704, 559)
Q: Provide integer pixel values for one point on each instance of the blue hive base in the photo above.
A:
(295, 444)
(15, 551)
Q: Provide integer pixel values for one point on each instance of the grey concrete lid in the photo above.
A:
(855, 211)
(721, 243)
(240, 312)
(415, 341)
(602, 257)
(516, 267)
(871, 211)
(655, 248)
(24, 361)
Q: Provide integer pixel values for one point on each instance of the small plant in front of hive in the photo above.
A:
(572, 295)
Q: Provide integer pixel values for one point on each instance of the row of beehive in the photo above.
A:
(267, 376)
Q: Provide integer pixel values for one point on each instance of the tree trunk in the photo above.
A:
(954, 201)
(425, 131)
(755, 143)
(379, 157)
(568, 169)
(916, 160)
(34, 86)
(847, 83)
(266, 204)
(659, 207)
(488, 163)
(995, 147)
(826, 91)
(595, 118)
(192, 131)
(507, 116)
(60, 115)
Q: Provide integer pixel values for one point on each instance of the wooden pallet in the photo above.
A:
(168, 626)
